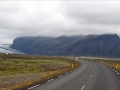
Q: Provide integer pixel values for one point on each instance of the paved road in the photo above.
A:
(89, 76)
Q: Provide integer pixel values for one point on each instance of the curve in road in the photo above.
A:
(89, 76)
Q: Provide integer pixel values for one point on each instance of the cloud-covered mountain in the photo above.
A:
(19, 18)
(107, 45)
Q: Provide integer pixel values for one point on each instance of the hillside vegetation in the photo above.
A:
(107, 45)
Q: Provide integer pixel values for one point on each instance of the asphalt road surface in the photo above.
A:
(89, 76)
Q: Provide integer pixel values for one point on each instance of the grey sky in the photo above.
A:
(55, 18)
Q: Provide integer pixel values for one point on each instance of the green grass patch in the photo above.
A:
(11, 65)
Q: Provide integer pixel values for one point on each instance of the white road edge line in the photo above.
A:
(60, 76)
(82, 87)
(66, 73)
(50, 80)
(33, 87)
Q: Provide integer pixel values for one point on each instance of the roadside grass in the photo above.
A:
(112, 63)
(18, 72)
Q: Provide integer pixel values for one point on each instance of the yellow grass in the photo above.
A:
(47, 76)
(37, 69)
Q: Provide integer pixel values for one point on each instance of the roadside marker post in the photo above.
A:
(76, 58)
(101, 62)
(72, 66)
(117, 66)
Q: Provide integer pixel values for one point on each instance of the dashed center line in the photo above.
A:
(82, 87)
(90, 76)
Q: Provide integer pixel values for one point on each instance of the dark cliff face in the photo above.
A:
(107, 45)
(103, 45)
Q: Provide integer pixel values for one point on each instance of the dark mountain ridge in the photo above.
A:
(106, 45)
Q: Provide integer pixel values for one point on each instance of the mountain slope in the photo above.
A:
(41, 45)
(90, 45)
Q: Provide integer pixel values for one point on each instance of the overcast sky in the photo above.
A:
(56, 18)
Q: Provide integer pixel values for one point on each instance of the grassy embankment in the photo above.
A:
(107, 61)
(18, 72)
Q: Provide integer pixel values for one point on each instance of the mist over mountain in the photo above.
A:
(106, 45)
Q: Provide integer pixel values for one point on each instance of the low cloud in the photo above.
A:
(55, 18)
